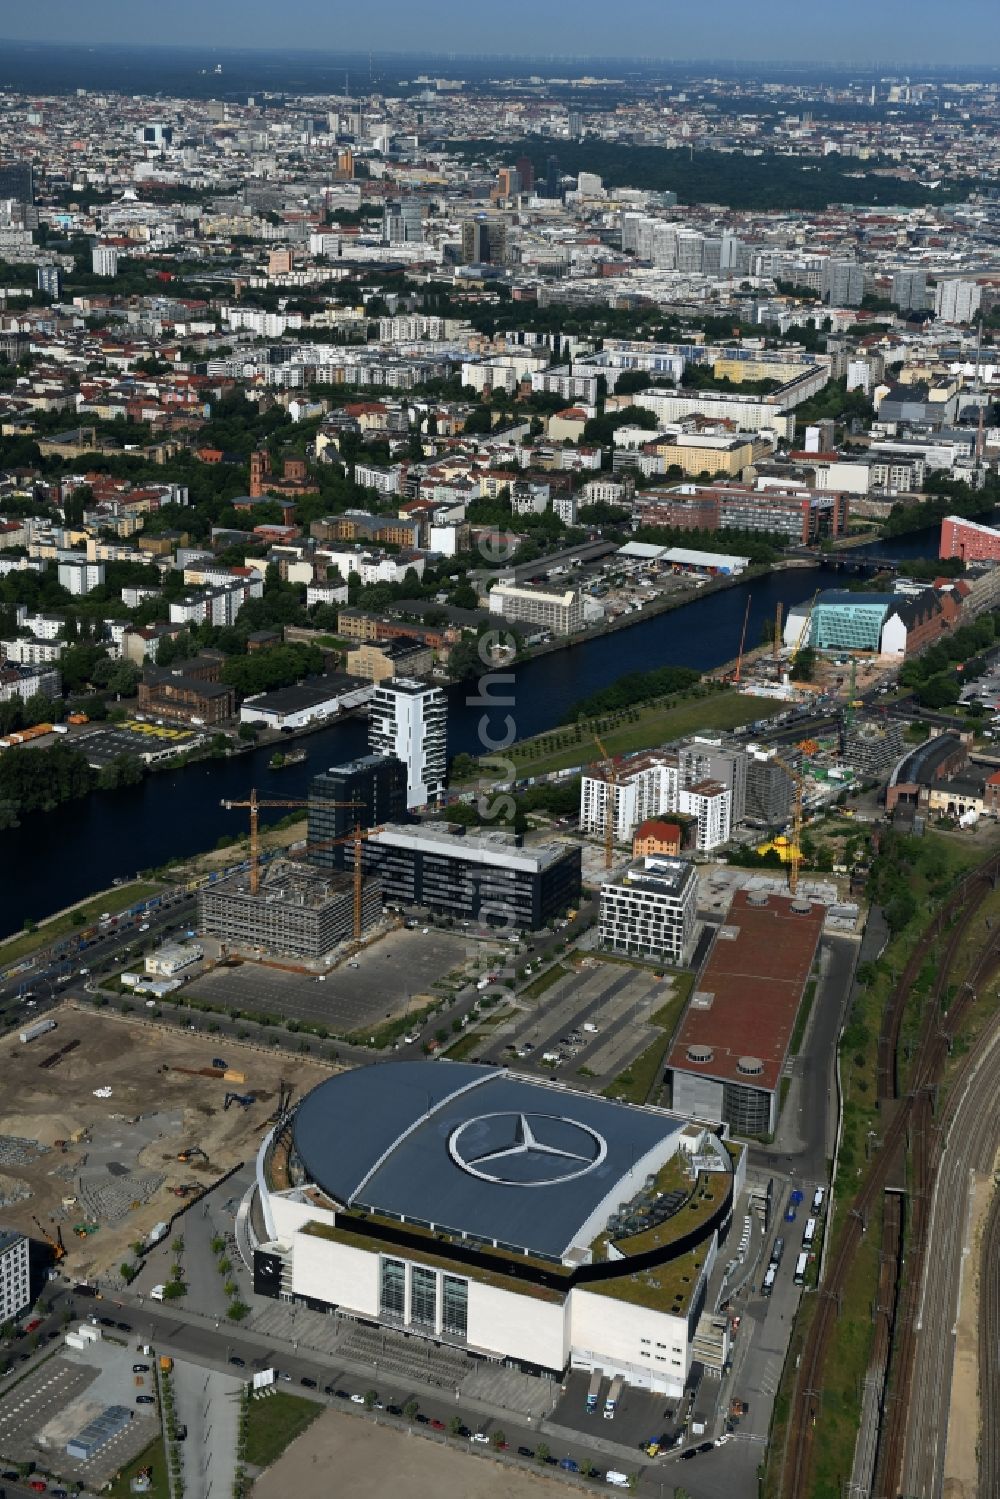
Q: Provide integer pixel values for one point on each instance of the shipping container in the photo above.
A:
(40, 1027)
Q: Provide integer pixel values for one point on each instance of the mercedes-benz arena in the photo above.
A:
(512, 1217)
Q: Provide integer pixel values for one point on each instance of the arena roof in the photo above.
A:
(478, 1151)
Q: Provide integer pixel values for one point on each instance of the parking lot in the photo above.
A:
(639, 1414)
(60, 1396)
(594, 1017)
(151, 741)
(385, 979)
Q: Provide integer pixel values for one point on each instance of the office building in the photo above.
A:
(643, 787)
(651, 911)
(769, 789)
(17, 182)
(15, 1277)
(484, 241)
(483, 876)
(802, 515)
(50, 281)
(403, 221)
(957, 300)
(510, 1219)
(377, 786)
(104, 260)
(729, 1055)
(409, 720)
(558, 610)
(299, 911)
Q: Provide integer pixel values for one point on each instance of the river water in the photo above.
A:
(54, 859)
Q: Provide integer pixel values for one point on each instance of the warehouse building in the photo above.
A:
(298, 910)
(651, 911)
(727, 1060)
(509, 1218)
(470, 875)
(307, 702)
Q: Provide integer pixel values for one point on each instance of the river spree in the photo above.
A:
(56, 858)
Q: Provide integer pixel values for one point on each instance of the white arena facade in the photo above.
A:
(508, 1216)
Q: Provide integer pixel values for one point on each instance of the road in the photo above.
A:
(973, 1136)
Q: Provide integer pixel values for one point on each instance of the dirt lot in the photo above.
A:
(369, 1462)
(120, 1155)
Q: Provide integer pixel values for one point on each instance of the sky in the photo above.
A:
(851, 31)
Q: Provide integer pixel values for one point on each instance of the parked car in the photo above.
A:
(145, 1400)
(357, 1400)
(525, 1452)
(140, 1368)
(307, 1383)
(237, 1362)
(479, 1436)
(437, 1425)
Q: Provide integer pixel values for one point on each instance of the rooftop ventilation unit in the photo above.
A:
(750, 1066)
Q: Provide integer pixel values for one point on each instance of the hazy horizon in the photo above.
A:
(898, 33)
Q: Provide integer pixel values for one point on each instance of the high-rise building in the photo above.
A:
(484, 241)
(705, 758)
(375, 783)
(17, 181)
(957, 300)
(403, 222)
(710, 803)
(643, 788)
(574, 123)
(15, 1280)
(50, 280)
(552, 177)
(527, 173)
(769, 789)
(842, 283)
(651, 911)
(409, 720)
(104, 260)
(909, 290)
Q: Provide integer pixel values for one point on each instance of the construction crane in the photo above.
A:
(611, 804)
(356, 837)
(743, 641)
(803, 633)
(285, 1091)
(255, 803)
(778, 612)
(55, 1243)
(795, 851)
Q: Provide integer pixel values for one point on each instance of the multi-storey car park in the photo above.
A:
(515, 1219)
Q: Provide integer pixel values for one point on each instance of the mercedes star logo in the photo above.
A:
(526, 1150)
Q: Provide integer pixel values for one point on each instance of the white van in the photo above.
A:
(156, 1294)
(617, 1480)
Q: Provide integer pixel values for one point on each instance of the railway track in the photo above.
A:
(989, 1360)
(913, 1114)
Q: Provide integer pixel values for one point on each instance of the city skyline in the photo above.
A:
(777, 31)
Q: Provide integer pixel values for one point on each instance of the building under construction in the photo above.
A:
(298, 910)
(873, 746)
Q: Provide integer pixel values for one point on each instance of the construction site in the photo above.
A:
(287, 908)
(111, 1125)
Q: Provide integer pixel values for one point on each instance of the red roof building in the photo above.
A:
(730, 1051)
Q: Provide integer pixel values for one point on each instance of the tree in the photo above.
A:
(237, 1310)
(541, 1453)
(804, 665)
(455, 1425)
(371, 1399)
(498, 1438)
(410, 1409)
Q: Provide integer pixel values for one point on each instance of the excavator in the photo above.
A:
(55, 1243)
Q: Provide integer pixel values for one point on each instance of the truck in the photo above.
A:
(817, 1202)
(593, 1392)
(768, 1285)
(166, 1363)
(40, 1028)
(614, 1394)
(777, 1251)
(800, 1269)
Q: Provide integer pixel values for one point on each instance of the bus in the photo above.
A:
(800, 1269)
(809, 1233)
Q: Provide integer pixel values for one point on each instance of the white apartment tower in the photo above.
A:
(410, 720)
(15, 1281)
(645, 787)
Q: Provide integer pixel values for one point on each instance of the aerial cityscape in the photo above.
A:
(500, 752)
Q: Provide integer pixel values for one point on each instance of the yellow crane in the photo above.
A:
(795, 851)
(55, 1242)
(611, 803)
